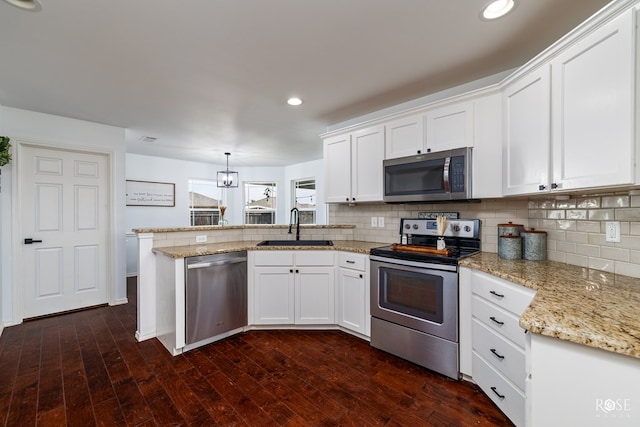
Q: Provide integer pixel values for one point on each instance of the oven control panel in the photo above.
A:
(467, 228)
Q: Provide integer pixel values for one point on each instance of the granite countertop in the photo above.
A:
(220, 248)
(572, 303)
(235, 227)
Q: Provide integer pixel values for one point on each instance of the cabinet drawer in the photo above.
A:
(325, 258)
(353, 261)
(508, 398)
(509, 296)
(499, 320)
(273, 258)
(504, 356)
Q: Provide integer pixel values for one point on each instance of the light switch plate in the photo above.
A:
(380, 221)
(201, 239)
(374, 221)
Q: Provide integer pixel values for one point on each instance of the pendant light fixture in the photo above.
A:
(227, 178)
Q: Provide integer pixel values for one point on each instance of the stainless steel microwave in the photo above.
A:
(429, 177)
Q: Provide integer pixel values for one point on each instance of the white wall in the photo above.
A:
(148, 168)
(63, 132)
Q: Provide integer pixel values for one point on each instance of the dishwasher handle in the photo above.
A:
(216, 263)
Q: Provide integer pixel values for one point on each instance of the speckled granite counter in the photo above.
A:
(572, 303)
(201, 228)
(219, 248)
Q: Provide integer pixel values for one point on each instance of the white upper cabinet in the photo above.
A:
(337, 168)
(449, 127)
(353, 166)
(405, 137)
(569, 124)
(526, 139)
(436, 129)
(593, 105)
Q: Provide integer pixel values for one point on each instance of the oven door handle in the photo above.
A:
(416, 264)
(445, 175)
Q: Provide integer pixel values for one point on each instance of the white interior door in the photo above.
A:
(65, 211)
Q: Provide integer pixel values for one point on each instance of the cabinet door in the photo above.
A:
(315, 295)
(450, 127)
(526, 140)
(352, 300)
(337, 169)
(487, 147)
(274, 295)
(593, 81)
(367, 157)
(404, 137)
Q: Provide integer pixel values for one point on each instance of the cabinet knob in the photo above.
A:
(353, 198)
(419, 151)
(554, 185)
(347, 199)
(361, 276)
(297, 271)
(542, 187)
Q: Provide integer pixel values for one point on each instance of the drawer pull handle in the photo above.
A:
(496, 294)
(500, 396)
(494, 320)
(496, 354)
(350, 262)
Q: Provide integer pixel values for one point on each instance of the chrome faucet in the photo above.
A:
(297, 219)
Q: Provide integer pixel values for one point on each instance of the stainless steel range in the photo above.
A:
(414, 292)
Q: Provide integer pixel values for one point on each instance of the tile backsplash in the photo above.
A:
(575, 225)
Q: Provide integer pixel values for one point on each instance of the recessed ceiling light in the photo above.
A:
(294, 101)
(31, 5)
(497, 8)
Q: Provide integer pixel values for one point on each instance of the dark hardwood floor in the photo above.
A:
(86, 368)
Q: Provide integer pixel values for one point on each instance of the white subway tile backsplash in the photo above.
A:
(615, 201)
(575, 227)
(616, 254)
(601, 264)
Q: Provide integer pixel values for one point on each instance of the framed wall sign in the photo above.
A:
(146, 193)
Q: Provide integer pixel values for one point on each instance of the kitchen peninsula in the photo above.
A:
(170, 246)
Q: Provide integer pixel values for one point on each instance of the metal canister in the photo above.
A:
(510, 228)
(510, 247)
(534, 245)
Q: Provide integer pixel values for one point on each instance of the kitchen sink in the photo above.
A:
(295, 243)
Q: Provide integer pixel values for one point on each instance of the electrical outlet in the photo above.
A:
(380, 221)
(201, 239)
(374, 221)
(612, 231)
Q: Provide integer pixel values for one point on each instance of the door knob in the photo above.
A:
(30, 241)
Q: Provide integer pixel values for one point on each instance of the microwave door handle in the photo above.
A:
(445, 175)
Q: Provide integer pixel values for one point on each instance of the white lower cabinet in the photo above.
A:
(293, 287)
(498, 342)
(353, 292)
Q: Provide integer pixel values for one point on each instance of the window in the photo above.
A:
(260, 202)
(304, 198)
(204, 205)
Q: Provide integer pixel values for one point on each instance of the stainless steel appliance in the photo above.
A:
(414, 293)
(439, 176)
(216, 295)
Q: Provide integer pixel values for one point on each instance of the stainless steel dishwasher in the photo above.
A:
(216, 294)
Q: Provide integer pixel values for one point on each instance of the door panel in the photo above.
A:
(64, 203)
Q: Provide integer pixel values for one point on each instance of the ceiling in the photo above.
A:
(210, 76)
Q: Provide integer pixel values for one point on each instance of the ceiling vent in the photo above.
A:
(148, 139)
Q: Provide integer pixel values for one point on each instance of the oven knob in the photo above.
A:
(415, 226)
(467, 228)
(407, 226)
(455, 227)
